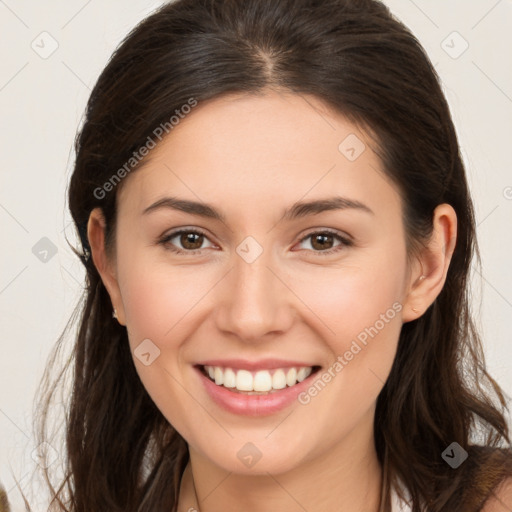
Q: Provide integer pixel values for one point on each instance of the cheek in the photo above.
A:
(364, 324)
(359, 308)
(158, 302)
(351, 300)
(157, 296)
(364, 327)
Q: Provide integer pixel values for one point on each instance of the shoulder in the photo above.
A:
(500, 499)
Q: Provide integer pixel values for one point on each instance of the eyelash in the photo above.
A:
(345, 242)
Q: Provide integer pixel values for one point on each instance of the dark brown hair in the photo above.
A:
(365, 64)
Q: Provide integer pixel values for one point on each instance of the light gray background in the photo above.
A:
(42, 101)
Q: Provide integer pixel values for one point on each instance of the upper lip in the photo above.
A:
(262, 364)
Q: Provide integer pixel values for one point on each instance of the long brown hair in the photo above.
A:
(357, 58)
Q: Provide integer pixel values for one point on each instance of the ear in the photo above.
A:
(427, 278)
(103, 263)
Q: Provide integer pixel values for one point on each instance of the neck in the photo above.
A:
(345, 478)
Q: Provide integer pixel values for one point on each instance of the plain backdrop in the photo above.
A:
(52, 53)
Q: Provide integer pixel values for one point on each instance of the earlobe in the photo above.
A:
(435, 261)
(106, 268)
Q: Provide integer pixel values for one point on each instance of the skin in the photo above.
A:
(251, 158)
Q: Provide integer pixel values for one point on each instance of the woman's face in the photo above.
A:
(265, 282)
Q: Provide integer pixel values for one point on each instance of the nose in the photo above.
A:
(256, 300)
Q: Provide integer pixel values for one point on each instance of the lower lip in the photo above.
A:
(253, 405)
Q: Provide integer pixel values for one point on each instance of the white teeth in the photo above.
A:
(279, 379)
(302, 374)
(260, 381)
(229, 380)
(219, 376)
(243, 380)
(291, 376)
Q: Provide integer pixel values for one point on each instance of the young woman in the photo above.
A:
(271, 199)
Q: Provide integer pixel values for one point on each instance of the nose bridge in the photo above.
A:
(256, 300)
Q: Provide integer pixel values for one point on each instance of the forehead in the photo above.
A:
(270, 147)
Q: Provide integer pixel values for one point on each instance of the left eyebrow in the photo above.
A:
(303, 209)
(297, 210)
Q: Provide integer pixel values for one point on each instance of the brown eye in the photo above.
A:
(188, 241)
(191, 240)
(322, 242)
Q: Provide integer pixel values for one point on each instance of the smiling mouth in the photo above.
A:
(261, 382)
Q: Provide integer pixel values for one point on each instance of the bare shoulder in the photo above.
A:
(501, 498)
